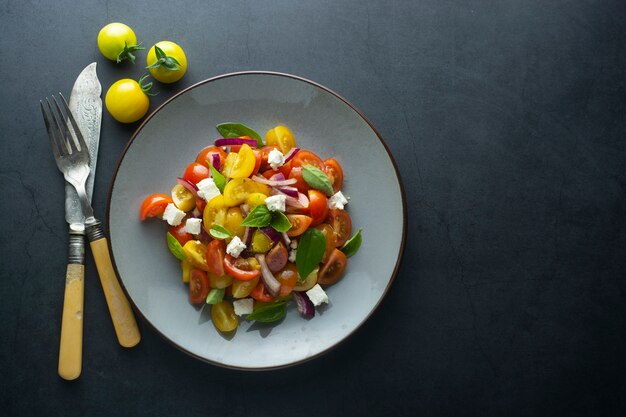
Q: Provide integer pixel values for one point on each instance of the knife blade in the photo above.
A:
(86, 106)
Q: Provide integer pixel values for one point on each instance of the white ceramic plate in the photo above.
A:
(169, 140)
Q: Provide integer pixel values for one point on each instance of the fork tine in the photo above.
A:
(63, 149)
(69, 140)
(51, 135)
(79, 135)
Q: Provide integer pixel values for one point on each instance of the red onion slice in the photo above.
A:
(278, 177)
(292, 152)
(271, 283)
(305, 305)
(188, 185)
(290, 191)
(286, 239)
(272, 183)
(215, 161)
(271, 233)
(236, 141)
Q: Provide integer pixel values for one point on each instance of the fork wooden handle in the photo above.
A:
(119, 307)
(71, 349)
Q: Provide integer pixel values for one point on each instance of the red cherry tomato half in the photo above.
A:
(333, 269)
(215, 252)
(301, 184)
(259, 293)
(196, 172)
(240, 268)
(341, 222)
(334, 172)
(198, 286)
(318, 206)
(154, 206)
(179, 234)
(205, 155)
(299, 224)
(307, 158)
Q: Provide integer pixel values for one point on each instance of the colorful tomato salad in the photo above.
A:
(256, 224)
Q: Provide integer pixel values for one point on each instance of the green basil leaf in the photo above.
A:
(237, 130)
(353, 244)
(175, 247)
(269, 313)
(219, 179)
(280, 222)
(260, 216)
(310, 251)
(215, 296)
(219, 232)
(316, 178)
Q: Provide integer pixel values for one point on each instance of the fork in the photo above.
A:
(72, 158)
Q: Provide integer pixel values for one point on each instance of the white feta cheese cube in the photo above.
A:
(276, 202)
(292, 255)
(338, 200)
(243, 306)
(193, 226)
(235, 247)
(276, 158)
(293, 244)
(317, 295)
(207, 189)
(172, 215)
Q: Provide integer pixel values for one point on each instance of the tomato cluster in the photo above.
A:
(248, 182)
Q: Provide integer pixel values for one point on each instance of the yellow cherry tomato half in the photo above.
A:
(183, 198)
(167, 62)
(237, 191)
(118, 42)
(127, 100)
(224, 317)
(214, 212)
(244, 163)
(234, 218)
(281, 137)
(196, 254)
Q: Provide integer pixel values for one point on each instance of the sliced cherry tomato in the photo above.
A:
(179, 234)
(214, 212)
(234, 218)
(301, 184)
(220, 281)
(196, 254)
(205, 156)
(318, 206)
(242, 289)
(259, 158)
(299, 224)
(198, 286)
(241, 268)
(334, 172)
(183, 198)
(308, 283)
(341, 222)
(196, 172)
(331, 238)
(259, 293)
(154, 206)
(287, 277)
(307, 158)
(243, 164)
(333, 269)
(237, 190)
(224, 317)
(281, 137)
(215, 252)
(200, 204)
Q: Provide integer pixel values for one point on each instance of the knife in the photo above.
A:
(86, 106)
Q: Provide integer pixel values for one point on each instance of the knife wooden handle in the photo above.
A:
(71, 349)
(119, 307)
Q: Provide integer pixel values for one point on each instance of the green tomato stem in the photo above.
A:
(146, 88)
(165, 61)
(127, 52)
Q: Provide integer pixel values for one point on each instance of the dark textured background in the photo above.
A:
(507, 121)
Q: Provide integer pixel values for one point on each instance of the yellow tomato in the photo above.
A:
(214, 212)
(234, 218)
(255, 199)
(167, 62)
(196, 254)
(243, 164)
(224, 317)
(183, 198)
(281, 137)
(242, 289)
(186, 267)
(117, 42)
(127, 100)
(261, 243)
(237, 191)
(220, 281)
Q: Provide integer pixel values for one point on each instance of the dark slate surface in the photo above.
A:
(507, 121)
